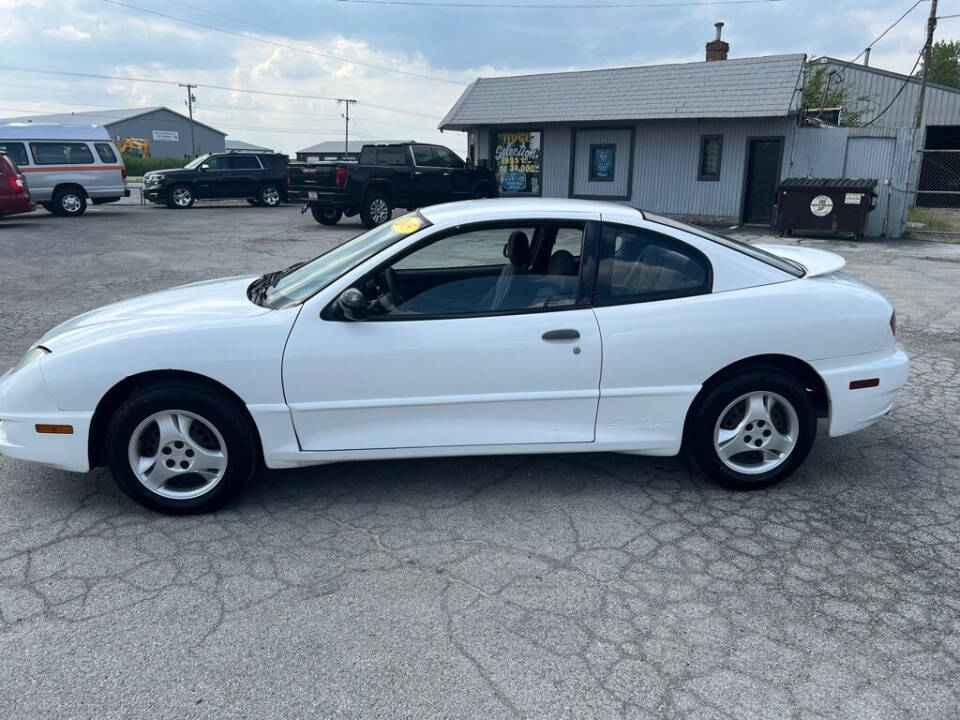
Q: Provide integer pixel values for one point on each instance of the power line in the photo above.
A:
(903, 87)
(881, 35)
(555, 6)
(293, 48)
(387, 108)
(275, 31)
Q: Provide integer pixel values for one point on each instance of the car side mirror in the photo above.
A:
(204, 167)
(353, 304)
(469, 163)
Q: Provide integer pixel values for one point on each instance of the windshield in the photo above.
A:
(309, 279)
(196, 162)
(756, 253)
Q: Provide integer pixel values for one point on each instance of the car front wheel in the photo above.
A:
(70, 203)
(180, 197)
(752, 430)
(376, 210)
(181, 449)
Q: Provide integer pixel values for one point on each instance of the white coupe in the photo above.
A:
(482, 327)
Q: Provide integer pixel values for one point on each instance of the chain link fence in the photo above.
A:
(937, 204)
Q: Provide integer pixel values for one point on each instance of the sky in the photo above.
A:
(405, 64)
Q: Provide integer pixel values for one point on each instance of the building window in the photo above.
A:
(603, 162)
(518, 161)
(711, 153)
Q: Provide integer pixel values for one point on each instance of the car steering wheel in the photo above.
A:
(393, 285)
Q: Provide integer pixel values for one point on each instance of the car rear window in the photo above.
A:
(16, 151)
(756, 253)
(61, 153)
(106, 153)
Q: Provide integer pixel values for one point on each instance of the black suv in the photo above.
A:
(261, 178)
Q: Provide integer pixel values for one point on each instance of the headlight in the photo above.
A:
(31, 356)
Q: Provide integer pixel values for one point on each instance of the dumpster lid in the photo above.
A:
(829, 183)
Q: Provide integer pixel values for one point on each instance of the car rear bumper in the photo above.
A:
(853, 407)
(15, 204)
(340, 201)
(25, 403)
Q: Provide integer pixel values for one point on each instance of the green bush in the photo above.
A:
(136, 167)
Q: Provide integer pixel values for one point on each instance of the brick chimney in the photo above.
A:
(717, 49)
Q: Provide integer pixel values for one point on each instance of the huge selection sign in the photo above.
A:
(166, 135)
(518, 159)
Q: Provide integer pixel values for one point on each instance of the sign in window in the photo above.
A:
(518, 158)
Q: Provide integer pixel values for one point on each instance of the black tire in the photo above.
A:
(69, 202)
(326, 215)
(707, 414)
(49, 207)
(270, 195)
(180, 197)
(372, 211)
(243, 458)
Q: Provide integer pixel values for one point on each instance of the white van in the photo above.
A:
(66, 165)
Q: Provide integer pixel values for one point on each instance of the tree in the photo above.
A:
(824, 87)
(944, 63)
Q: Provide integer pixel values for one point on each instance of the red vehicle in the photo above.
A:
(14, 195)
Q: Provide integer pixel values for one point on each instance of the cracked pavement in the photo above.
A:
(556, 586)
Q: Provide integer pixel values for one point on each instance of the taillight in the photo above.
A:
(341, 176)
(16, 184)
(123, 171)
(893, 323)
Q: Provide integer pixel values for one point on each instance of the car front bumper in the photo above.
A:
(854, 408)
(25, 403)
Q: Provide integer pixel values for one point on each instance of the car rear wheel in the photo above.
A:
(376, 210)
(70, 203)
(752, 430)
(181, 449)
(180, 197)
(326, 215)
(269, 196)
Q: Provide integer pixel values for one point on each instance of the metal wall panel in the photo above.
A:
(941, 106)
(207, 140)
(583, 138)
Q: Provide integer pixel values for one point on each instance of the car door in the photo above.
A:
(460, 178)
(652, 302)
(478, 351)
(432, 183)
(212, 179)
(243, 177)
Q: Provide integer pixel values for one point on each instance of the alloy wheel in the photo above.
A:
(756, 432)
(70, 202)
(270, 196)
(181, 197)
(379, 211)
(177, 454)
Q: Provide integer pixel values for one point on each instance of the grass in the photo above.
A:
(137, 167)
(935, 219)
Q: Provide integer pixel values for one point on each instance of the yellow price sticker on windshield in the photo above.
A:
(406, 225)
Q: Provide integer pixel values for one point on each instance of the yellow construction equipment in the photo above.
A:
(137, 147)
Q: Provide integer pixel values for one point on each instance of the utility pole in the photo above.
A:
(191, 99)
(927, 49)
(346, 131)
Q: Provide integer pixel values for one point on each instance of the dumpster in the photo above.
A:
(831, 205)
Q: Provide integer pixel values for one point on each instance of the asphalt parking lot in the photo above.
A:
(538, 587)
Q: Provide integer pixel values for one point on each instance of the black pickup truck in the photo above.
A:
(259, 177)
(400, 175)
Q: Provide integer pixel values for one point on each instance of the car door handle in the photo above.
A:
(566, 334)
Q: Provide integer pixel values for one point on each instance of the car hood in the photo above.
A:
(203, 301)
(169, 171)
(815, 262)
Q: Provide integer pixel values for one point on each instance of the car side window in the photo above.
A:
(637, 265)
(447, 159)
(243, 162)
(16, 151)
(217, 163)
(423, 156)
(106, 153)
(61, 153)
(391, 156)
(476, 271)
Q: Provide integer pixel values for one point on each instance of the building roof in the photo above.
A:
(747, 87)
(845, 64)
(102, 117)
(249, 147)
(336, 146)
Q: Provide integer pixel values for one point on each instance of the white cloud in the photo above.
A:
(66, 32)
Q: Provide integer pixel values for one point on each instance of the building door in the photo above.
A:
(762, 175)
